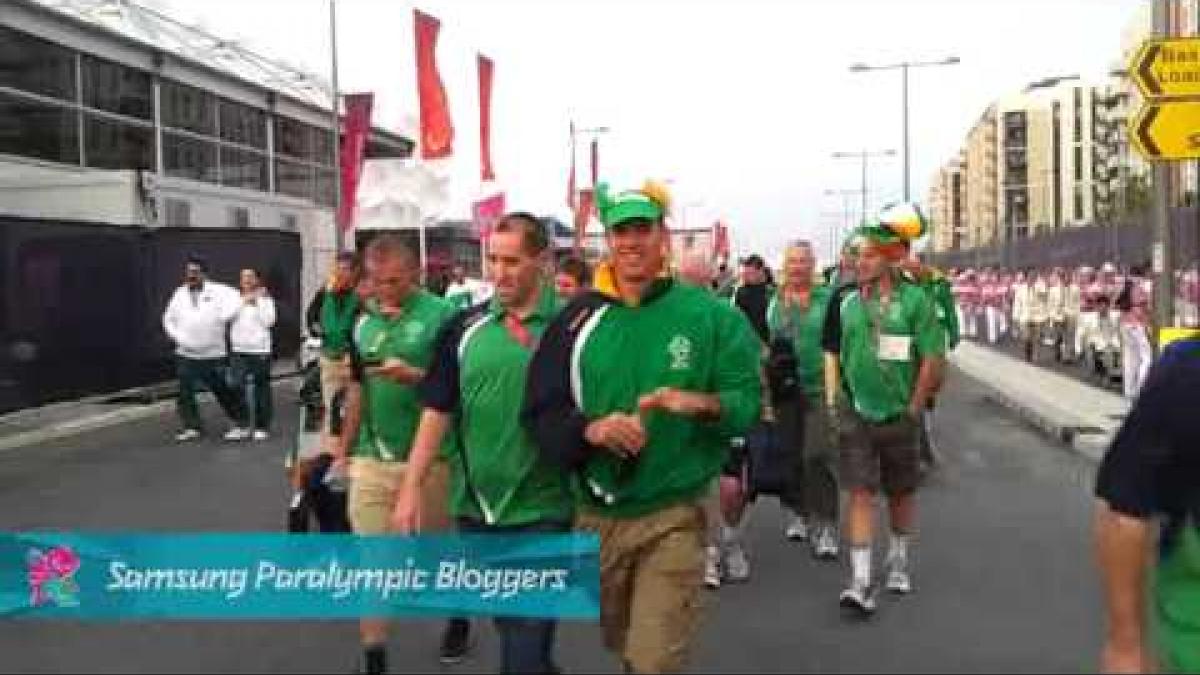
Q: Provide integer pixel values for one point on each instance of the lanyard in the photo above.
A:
(876, 311)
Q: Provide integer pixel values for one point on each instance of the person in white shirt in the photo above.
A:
(250, 338)
(1055, 325)
(197, 321)
(464, 292)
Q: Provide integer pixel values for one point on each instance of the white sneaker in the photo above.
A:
(237, 434)
(187, 435)
(826, 547)
(898, 580)
(737, 564)
(260, 435)
(712, 567)
(859, 596)
(797, 530)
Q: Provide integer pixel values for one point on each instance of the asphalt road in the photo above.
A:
(1005, 581)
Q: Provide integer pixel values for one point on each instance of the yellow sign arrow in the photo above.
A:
(1167, 68)
(1168, 130)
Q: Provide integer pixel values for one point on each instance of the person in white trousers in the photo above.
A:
(1137, 354)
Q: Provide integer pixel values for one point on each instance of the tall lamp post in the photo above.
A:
(847, 221)
(904, 67)
(863, 156)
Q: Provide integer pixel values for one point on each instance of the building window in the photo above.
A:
(191, 158)
(38, 130)
(326, 190)
(1078, 163)
(243, 125)
(36, 66)
(114, 145)
(1079, 215)
(188, 108)
(294, 139)
(302, 141)
(117, 89)
(295, 180)
(288, 222)
(1078, 115)
(239, 217)
(243, 169)
(179, 213)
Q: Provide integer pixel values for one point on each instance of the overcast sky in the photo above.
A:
(740, 102)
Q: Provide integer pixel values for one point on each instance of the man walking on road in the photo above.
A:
(392, 346)
(340, 306)
(637, 388)
(753, 294)
(890, 354)
(476, 384)
(1151, 474)
(197, 321)
(797, 315)
(250, 337)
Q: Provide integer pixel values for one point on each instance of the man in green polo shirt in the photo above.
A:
(392, 346)
(636, 389)
(796, 313)
(476, 384)
(890, 352)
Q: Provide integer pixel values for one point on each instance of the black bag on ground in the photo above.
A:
(768, 464)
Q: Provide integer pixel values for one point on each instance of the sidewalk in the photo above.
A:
(1080, 415)
(70, 418)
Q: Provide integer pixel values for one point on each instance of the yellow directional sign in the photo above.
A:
(1168, 130)
(1168, 68)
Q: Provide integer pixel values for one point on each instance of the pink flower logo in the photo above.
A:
(52, 577)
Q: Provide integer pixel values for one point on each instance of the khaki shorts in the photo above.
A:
(373, 491)
(335, 375)
(651, 599)
(875, 456)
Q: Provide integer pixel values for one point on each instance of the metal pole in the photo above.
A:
(904, 78)
(864, 185)
(1163, 253)
(339, 235)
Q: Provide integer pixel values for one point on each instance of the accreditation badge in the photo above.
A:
(897, 348)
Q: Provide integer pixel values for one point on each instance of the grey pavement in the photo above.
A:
(1004, 577)
(1066, 408)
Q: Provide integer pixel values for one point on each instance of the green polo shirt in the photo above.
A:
(804, 328)
(882, 346)
(339, 309)
(391, 411)
(479, 376)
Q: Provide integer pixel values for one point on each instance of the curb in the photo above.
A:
(1089, 443)
(106, 420)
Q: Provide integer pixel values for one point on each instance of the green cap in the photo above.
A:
(648, 203)
(874, 233)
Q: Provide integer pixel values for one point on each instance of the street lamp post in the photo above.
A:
(904, 67)
(847, 222)
(863, 156)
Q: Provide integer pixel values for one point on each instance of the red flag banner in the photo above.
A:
(721, 244)
(356, 130)
(486, 72)
(486, 212)
(583, 215)
(437, 129)
(595, 162)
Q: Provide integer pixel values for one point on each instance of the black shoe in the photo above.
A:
(374, 661)
(456, 642)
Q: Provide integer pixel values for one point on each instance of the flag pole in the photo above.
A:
(339, 235)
